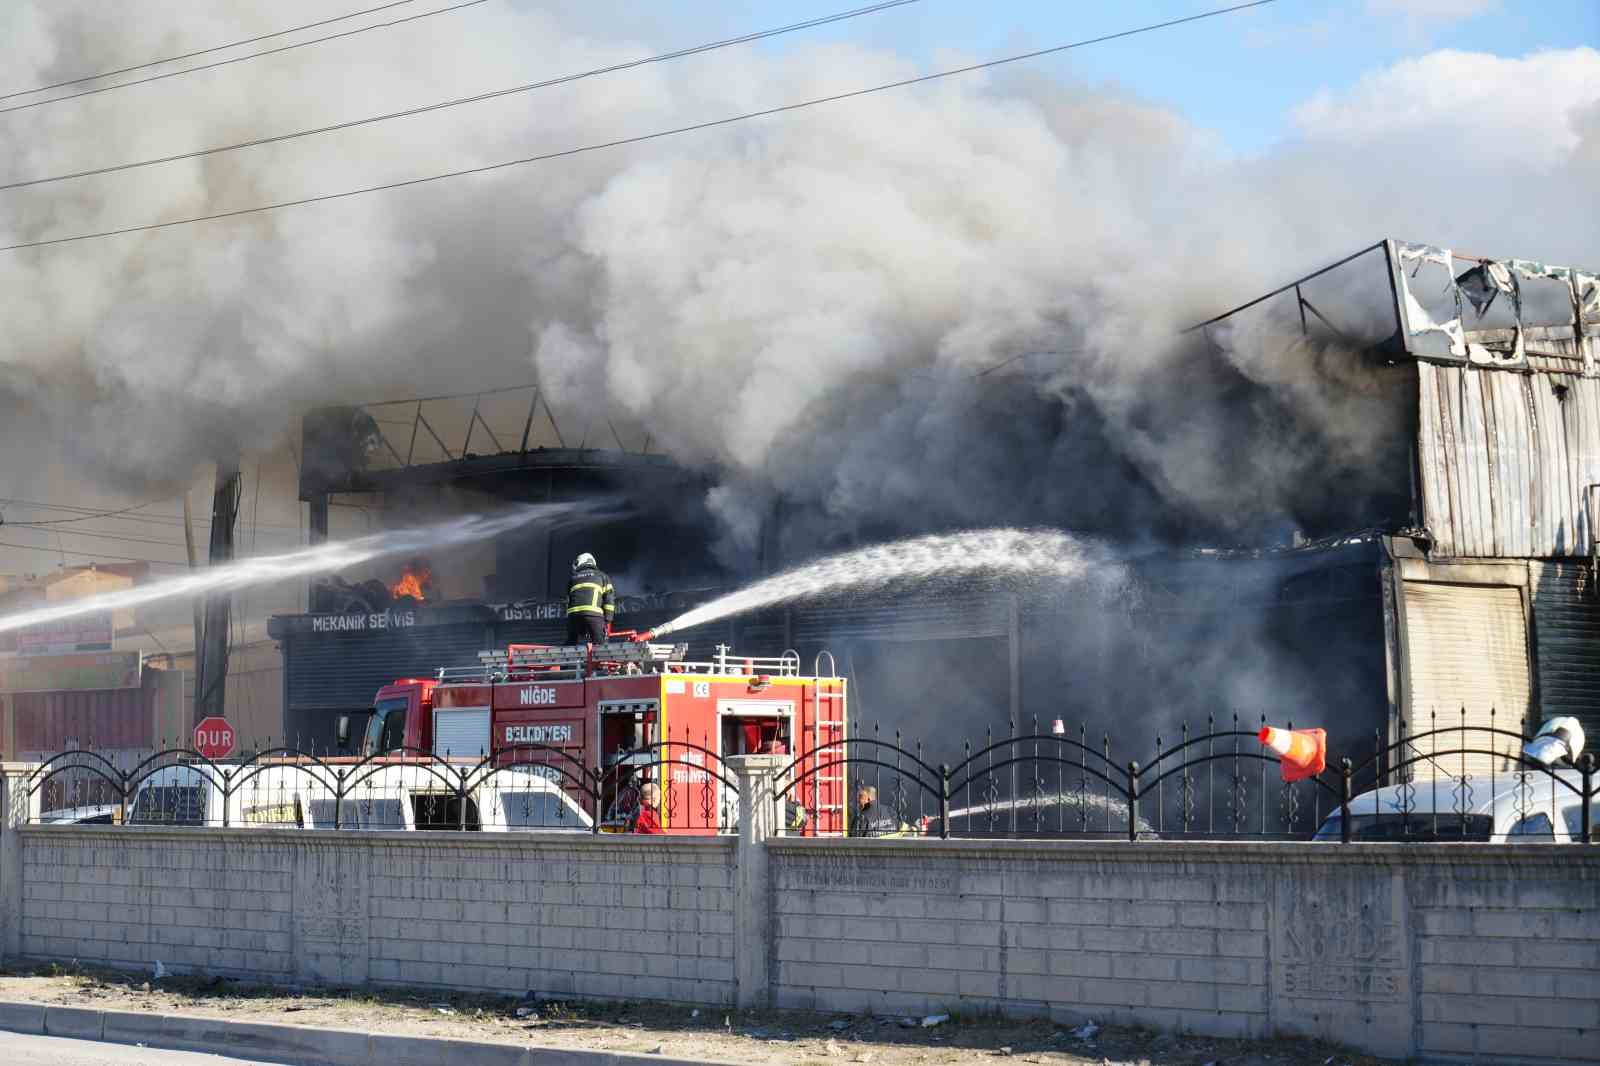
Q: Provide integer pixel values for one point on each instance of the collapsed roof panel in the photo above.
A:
(1441, 305)
(1549, 316)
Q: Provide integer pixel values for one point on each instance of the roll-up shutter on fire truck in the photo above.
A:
(1466, 647)
(461, 732)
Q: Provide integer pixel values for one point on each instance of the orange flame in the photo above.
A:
(411, 584)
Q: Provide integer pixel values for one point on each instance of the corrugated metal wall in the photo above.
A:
(1506, 460)
(134, 719)
(1566, 617)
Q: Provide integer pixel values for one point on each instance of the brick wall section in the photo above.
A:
(1398, 949)
(601, 917)
(1509, 956)
(1132, 938)
(635, 921)
(204, 902)
(1488, 954)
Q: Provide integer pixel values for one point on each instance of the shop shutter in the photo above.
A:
(342, 671)
(1566, 633)
(1466, 663)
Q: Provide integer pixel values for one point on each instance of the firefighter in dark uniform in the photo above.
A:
(590, 602)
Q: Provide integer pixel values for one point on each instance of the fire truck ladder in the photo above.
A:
(534, 663)
(827, 735)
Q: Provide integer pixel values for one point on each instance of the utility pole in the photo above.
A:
(211, 654)
(194, 564)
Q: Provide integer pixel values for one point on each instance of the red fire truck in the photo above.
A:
(626, 713)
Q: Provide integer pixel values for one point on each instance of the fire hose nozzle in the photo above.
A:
(640, 638)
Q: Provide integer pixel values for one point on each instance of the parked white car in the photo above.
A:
(521, 799)
(396, 796)
(1503, 808)
(273, 795)
(99, 814)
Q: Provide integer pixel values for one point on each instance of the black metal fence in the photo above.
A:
(1452, 781)
(676, 787)
(1459, 781)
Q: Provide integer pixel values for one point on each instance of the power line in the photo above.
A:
(96, 536)
(88, 517)
(221, 48)
(475, 99)
(622, 141)
(94, 555)
(124, 538)
(89, 512)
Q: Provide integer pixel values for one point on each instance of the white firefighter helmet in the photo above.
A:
(1557, 737)
(584, 560)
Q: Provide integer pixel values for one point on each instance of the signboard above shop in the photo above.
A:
(83, 672)
(91, 632)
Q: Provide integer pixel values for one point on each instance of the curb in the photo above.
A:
(299, 1045)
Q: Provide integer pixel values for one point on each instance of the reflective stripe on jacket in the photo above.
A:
(590, 592)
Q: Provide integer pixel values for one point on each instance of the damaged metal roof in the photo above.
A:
(1562, 334)
(1507, 353)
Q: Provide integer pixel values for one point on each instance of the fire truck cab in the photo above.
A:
(627, 713)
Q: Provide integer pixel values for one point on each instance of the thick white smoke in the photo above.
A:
(799, 303)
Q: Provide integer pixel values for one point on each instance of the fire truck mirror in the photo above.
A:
(344, 731)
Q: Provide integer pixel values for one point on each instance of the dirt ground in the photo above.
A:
(779, 1038)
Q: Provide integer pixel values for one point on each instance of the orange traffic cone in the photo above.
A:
(1302, 753)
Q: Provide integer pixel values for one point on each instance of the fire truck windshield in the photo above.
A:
(386, 729)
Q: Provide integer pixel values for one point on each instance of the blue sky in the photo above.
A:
(1239, 75)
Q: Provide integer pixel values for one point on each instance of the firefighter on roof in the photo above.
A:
(590, 602)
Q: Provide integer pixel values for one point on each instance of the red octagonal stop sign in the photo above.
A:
(213, 737)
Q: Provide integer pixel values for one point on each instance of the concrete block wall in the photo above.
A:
(202, 902)
(1436, 950)
(597, 917)
(1452, 953)
(1508, 957)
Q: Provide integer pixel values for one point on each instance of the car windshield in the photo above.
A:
(1413, 827)
(386, 729)
(1532, 828)
(169, 805)
(1572, 815)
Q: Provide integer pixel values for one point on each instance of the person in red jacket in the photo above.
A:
(648, 818)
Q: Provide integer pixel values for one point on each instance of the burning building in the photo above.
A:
(1444, 567)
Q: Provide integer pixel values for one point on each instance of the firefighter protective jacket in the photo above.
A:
(590, 592)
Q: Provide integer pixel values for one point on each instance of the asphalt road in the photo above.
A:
(17, 1049)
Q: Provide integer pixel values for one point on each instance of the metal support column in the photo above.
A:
(211, 658)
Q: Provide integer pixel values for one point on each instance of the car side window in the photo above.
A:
(1533, 828)
(1572, 815)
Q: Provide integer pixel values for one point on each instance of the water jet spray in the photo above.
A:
(321, 559)
(1010, 553)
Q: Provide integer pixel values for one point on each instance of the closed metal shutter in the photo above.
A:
(463, 733)
(980, 613)
(341, 671)
(541, 632)
(1466, 651)
(1566, 631)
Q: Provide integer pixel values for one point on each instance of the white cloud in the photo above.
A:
(1463, 103)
